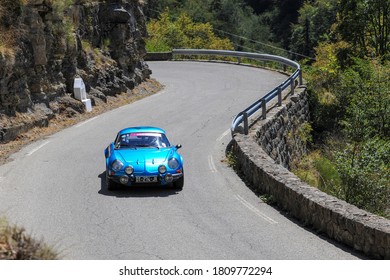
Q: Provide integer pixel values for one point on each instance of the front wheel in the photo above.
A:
(178, 185)
(111, 185)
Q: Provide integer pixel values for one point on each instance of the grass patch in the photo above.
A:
(231, 160)
(268, 198)
(96, 55)
(319, 171)
(16, 244)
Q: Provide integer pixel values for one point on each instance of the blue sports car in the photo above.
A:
(143, 156)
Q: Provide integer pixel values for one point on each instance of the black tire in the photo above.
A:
(111, 185)
(178, 185)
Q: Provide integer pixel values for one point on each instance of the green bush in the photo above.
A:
(365, 91)
(364, 169)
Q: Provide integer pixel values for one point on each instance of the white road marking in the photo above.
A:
(255, 210)
(211, 164)
(223, 135)
(85, 122)
(38, 148)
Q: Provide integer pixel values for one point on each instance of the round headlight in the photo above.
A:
(173, 163)
(117, 165)
(129, 170)
(162, 169)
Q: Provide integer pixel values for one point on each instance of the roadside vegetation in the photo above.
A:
(15, 244)
(349, 87)
(344, 48)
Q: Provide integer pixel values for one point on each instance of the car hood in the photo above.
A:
(149, 156)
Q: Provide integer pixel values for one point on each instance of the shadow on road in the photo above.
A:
(135, 191)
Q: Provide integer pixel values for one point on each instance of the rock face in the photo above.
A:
(101, 42)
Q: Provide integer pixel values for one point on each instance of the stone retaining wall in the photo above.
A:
(282, 134)
(343, 222)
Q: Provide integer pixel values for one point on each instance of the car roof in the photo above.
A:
(142, 129)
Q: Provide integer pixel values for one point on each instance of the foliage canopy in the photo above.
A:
(166, 33)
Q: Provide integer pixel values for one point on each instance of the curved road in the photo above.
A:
(55, 187)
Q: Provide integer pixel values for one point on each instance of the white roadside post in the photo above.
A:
(81, 94)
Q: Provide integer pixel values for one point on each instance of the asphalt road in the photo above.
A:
(55, 187)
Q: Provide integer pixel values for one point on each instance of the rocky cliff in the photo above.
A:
(45, 44)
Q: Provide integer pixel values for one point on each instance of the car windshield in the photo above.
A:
(141, 139)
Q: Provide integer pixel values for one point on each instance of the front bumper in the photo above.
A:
(130, 180)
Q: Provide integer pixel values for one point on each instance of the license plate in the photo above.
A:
(146, 179)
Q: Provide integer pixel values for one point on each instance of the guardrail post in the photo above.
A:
(246, 124)
(264, 108)
(279, 96)
(300, 78)
(292, 86)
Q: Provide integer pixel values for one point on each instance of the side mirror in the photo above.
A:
(178, 146)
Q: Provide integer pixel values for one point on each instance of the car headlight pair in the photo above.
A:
(118, 165)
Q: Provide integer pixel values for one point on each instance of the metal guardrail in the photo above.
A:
(244, 115)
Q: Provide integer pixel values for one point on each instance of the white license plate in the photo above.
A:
(146, 179)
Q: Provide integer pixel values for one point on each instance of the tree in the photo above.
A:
(233, 19)
(363, 24)
(365, 89)
(198, 10)
(315, 25)
(260, 6)
(155, 7)
(167, 33)
(285, 14)
(366, 25)
(247, 31)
